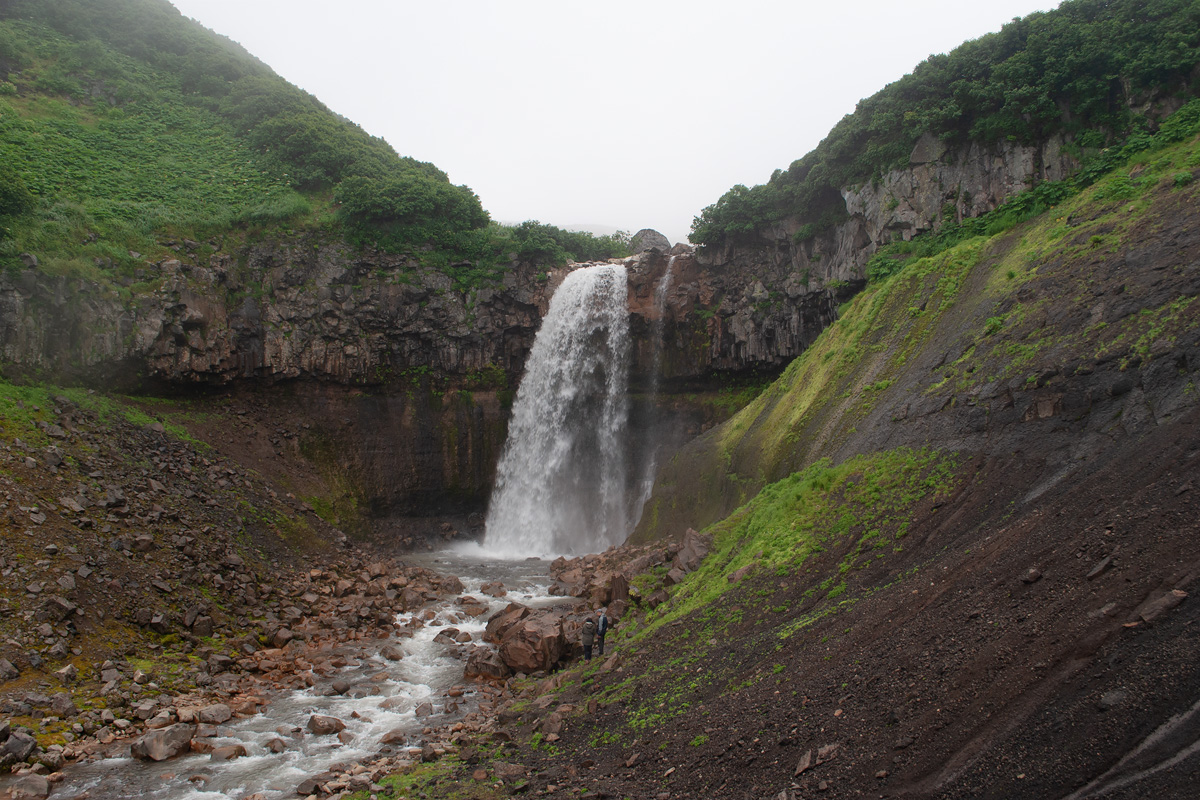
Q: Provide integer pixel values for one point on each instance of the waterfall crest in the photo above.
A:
(561, 482)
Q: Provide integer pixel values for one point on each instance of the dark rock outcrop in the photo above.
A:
(649, 239)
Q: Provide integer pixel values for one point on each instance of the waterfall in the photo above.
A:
(650, 459)
(561, 482)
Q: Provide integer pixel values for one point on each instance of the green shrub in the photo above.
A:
(278, 208)
(14, 194)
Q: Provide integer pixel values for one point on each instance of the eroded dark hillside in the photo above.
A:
(1057, 340)
(953, 545)
(995, 647)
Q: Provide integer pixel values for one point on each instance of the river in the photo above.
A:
(384, 697)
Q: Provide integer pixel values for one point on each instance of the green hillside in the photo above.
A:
(1094, 71)
(1001, 311)
(124, 125)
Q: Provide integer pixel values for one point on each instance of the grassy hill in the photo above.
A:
(125, 127)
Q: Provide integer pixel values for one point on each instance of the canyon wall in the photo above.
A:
(427, 367)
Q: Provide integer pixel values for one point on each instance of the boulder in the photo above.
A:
(160, 720)
(215, 714)
(649, 239)
(534, 643)
(740, 573)
(553, 723)
(692, 551)
(164, 743)
(493, 589)
(62, 706)
(657, 598)
(500, 622)
(395, 736)
(19, 745)
(312, 785)
(617, 609)
(27, 787)
(447, 636)
(486, 664)
(68, 674)
(227, 752)
(391, 652)
(322, 725)
(55, 610)
(508, 772)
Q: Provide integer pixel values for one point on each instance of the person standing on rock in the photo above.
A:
(589, 637)
(601, 630)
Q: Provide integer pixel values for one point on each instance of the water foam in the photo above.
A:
(561, 482)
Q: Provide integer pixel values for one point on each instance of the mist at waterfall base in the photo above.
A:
(562, 481)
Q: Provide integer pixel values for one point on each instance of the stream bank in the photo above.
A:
(367, 706)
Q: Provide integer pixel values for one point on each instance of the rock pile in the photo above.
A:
(607, 579)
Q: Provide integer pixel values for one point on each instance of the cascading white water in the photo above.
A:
(561, 483)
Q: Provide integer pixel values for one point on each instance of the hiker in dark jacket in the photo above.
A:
(589, 637)
(602, 626)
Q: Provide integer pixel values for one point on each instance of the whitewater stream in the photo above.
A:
(424, 675)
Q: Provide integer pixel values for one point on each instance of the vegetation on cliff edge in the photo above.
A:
(1094, 71)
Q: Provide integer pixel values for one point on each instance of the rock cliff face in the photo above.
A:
(314, 308)
(1038, 342)
(938, 185)
(707, 321)
(426, 369)
(394, 382)
(276, 310)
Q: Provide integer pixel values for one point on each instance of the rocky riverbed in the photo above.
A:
(168, 590)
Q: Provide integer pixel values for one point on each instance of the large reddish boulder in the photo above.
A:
(487, 665)
(323, 725)
(619, 589)
(534, 643)
(501, 621)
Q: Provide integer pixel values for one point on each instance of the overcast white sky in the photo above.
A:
(628, 114)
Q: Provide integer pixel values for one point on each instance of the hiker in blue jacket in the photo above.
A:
(601, 629)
